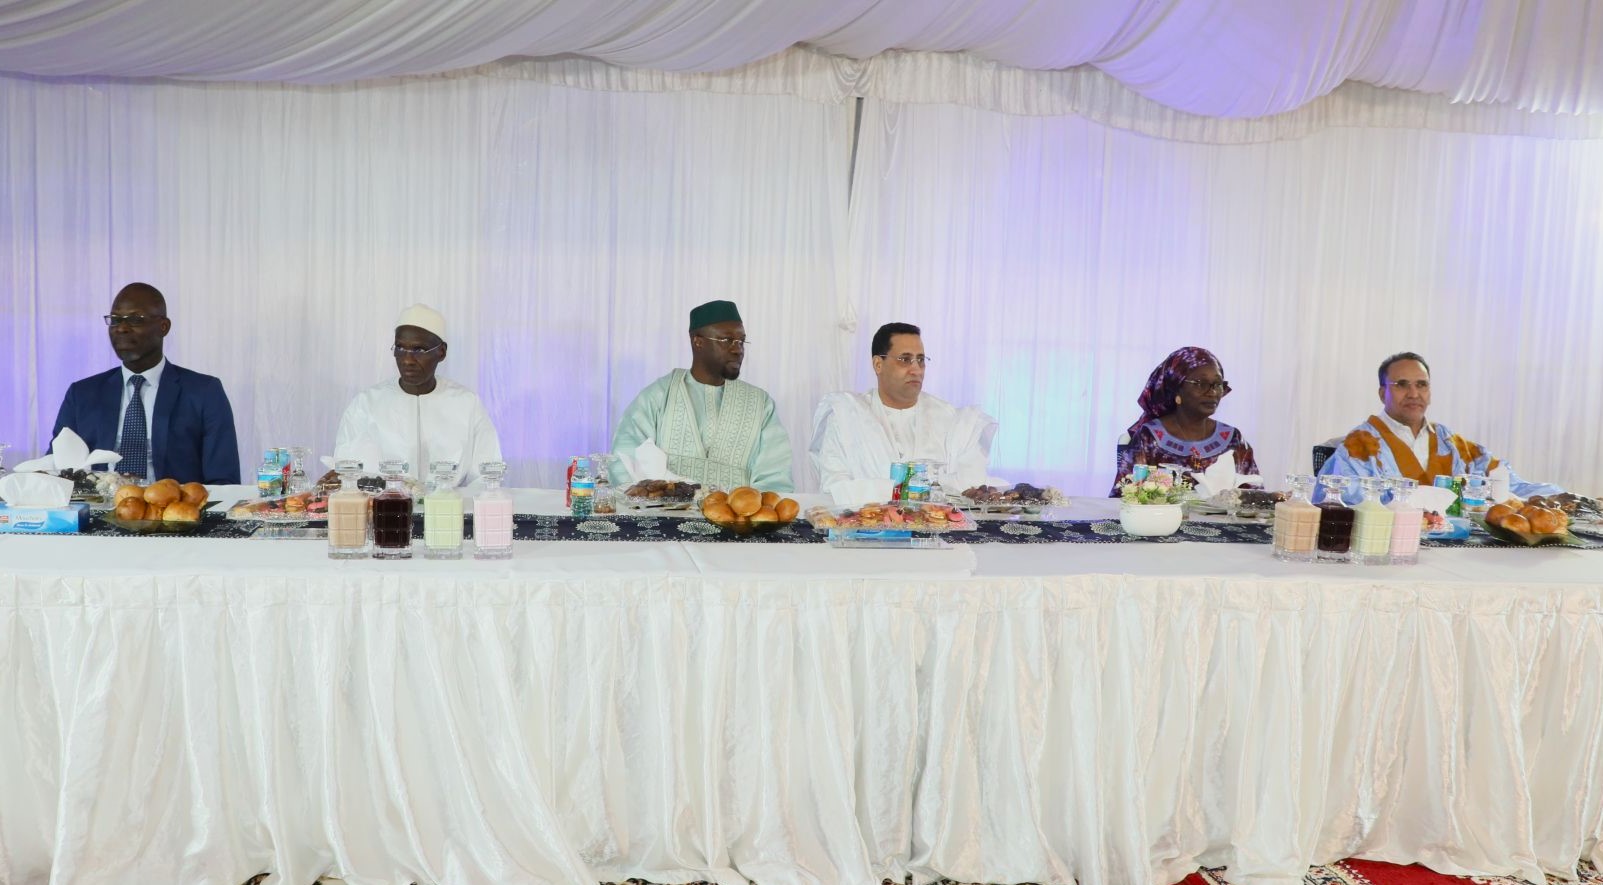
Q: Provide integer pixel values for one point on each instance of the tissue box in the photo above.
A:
(44, 520)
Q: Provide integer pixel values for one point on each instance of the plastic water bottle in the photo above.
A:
(269, 475)
(583, 499)
(918, 483)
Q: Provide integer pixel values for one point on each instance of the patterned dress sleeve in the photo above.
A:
(1246, 463)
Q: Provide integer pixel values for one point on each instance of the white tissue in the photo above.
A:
(648, 461)
(35, 490)
(857, 492)
(69, 452)
(1221, 476)
(1433, 498)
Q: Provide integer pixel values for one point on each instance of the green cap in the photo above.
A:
(713, 312)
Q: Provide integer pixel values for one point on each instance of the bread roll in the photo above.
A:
(161, 494)
(155, 511)
(715, 498)
(129, 491)
(1514, 522)
(130, 508)
(1498, 513)
(745, 501)
(181, 511)
(718, 513)
(770, 499)
(192, 493)
(787, 509)
(766, 514)
(1544, 521)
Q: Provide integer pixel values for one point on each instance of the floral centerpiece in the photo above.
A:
(1157, 487)
(1150, 505)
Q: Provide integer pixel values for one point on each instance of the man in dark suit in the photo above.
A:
(165, 420)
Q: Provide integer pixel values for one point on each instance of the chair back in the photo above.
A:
(1322, 454)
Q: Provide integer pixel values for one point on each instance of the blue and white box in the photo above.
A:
(44, 520)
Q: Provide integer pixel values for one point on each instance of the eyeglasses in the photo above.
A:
(907, 359)
(1405, 384)
(1219, 387)
(134, 319)
(398, 350)
(728, 342)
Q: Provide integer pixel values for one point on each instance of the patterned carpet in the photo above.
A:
(1347, 872)
(1370, 872)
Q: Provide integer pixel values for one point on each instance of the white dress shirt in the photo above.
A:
(1418, 442)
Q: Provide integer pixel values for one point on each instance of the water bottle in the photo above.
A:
(269, 475)
(583, 495)
(918, 483)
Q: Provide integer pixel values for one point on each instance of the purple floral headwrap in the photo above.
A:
(1157, 398)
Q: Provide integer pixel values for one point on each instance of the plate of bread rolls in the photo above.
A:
(745, 510)
(1530, 523)
(163, 507)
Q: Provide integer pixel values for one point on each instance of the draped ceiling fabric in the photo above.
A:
(1244, 58)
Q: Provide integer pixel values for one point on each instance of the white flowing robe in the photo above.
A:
(385, 423)
(856, 436)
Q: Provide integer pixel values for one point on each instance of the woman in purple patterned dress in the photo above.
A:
(1177, 424)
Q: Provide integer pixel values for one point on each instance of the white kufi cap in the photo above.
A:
(425, 318)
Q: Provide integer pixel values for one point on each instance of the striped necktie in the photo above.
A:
(134, 446)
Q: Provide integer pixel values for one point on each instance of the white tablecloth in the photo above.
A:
(200, 711)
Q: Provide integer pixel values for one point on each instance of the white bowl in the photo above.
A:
(1150, 520)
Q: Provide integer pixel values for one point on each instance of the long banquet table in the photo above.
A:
(200, 710)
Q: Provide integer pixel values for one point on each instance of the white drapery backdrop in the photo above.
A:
(566, 214)
(1054, 262)
(564, 233)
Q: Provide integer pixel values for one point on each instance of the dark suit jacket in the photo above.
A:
(191, 433)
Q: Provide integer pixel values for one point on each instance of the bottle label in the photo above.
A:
(899, 471)
(918, 486)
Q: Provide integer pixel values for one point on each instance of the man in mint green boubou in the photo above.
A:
(716, 429)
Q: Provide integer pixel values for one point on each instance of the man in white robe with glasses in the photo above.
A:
(417, 417)
(859, 435)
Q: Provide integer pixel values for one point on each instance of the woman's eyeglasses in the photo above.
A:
(1219, 387)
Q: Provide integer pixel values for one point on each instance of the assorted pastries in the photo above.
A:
(913, 516)
(1572, 505)
(164, 500)
(746, 509)
(1021, 493)
(299, 507)
(664, 490)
